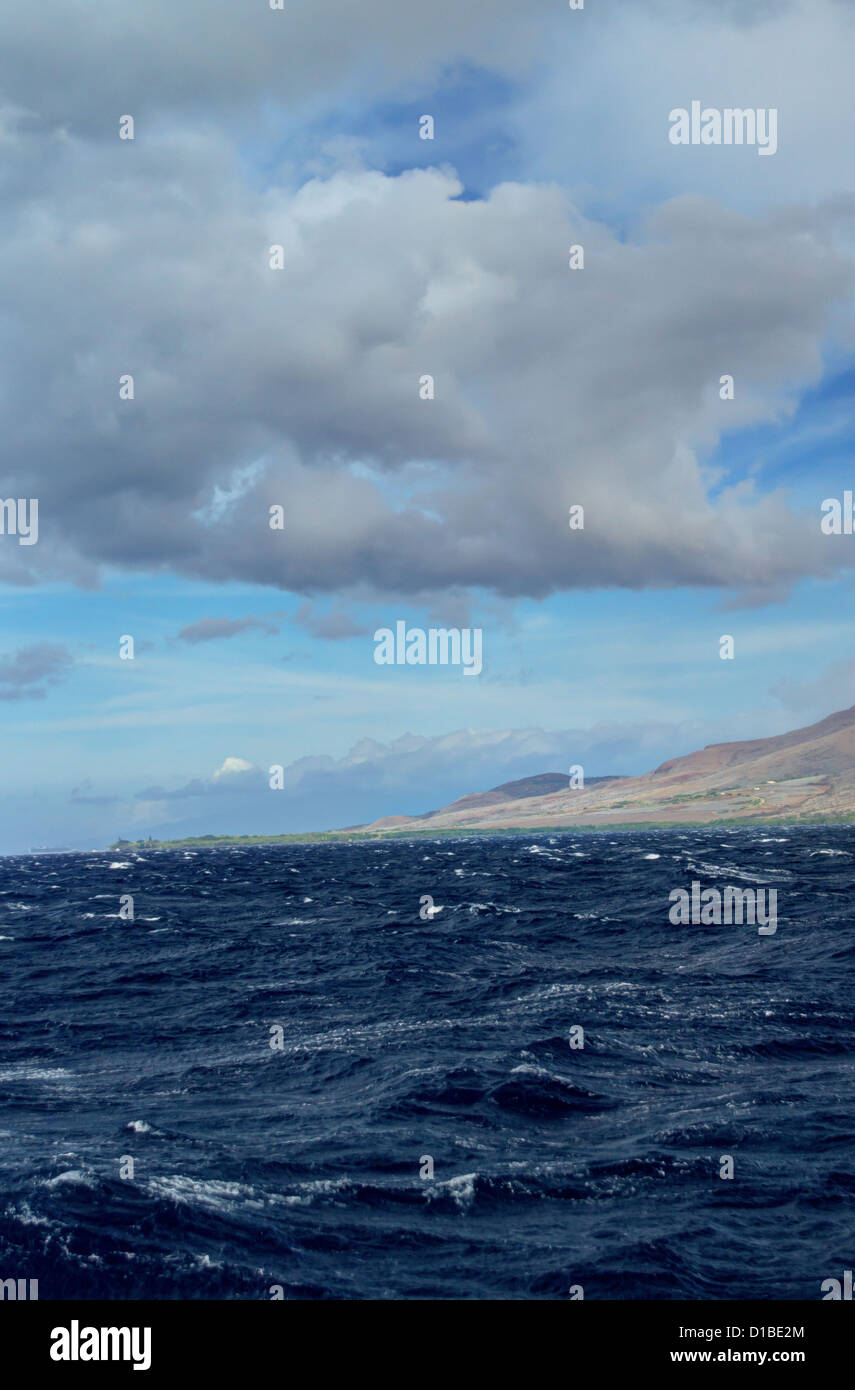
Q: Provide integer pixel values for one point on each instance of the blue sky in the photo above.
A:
(407, 256)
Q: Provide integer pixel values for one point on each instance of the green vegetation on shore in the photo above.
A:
(426, 832)
(315, 837)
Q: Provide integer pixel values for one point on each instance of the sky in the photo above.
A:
(299, 387)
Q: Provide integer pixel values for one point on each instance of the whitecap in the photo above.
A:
(497, 907)
(75, 1177)
(211, 1193)
(205, 1262)
(25, 1073)
(461, 1189)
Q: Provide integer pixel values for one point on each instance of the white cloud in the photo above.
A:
(231, 767)
(599, 387)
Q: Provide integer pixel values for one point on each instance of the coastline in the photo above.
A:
(463, 831)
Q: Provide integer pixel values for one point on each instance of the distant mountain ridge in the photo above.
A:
(524, 788)
(719, 755)
(808, 773)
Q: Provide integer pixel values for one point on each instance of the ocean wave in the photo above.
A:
(557, 1158)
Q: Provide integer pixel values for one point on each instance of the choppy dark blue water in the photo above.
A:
(451, 1038)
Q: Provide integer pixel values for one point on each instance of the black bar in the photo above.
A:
(229, 1338)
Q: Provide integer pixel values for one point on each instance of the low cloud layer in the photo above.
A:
(411, 774)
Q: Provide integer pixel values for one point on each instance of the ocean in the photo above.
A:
(280, 1080)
